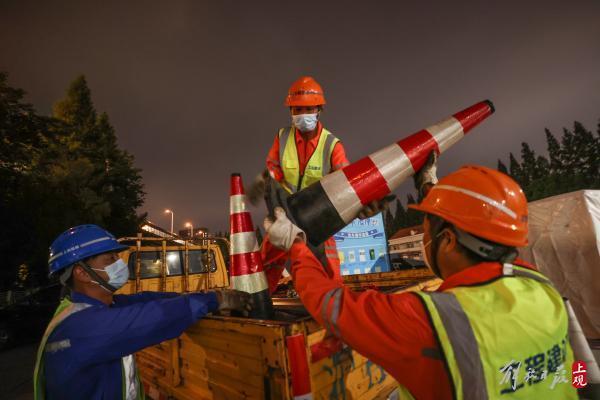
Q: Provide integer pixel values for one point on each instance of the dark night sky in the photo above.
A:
(195, 88)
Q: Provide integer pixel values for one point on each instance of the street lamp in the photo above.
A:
(189, 225)
(167, 211)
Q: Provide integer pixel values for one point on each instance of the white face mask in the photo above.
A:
(305, 122)
(118, 274)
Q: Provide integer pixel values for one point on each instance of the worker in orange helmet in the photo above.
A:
(301, 155)
(496, 328)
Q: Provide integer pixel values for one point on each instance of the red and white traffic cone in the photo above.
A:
(246, 268)
(332, 203)
(297, 355)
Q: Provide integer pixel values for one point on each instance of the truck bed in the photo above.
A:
(239, 358)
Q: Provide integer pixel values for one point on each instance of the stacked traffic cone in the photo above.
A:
(327, 206)
(246, 268)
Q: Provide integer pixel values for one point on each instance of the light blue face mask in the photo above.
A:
(305, 122)
(118, 274)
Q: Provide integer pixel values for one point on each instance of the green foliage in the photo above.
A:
(59, 172)
(502, 167)
(572, 164)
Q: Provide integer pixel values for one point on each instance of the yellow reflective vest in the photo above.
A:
(317, 166)
(65, 309)
(504, 339)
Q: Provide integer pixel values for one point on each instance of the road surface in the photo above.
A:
(16, 372)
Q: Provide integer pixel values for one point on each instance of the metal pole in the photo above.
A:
(169, 211)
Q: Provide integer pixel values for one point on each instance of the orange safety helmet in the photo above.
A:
(305, 92)
(481, 201)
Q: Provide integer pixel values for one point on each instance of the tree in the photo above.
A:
(77, 109)
(388, 222)
(573, 163)
(115, 185)
(57, 173)
(22, 134)
(502, 168)
(553, 152)
(528, 164)
(588, 150)
(514, 168)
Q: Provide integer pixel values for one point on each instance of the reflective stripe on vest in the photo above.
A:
(316, 165)
(481, 330)
(131, 383)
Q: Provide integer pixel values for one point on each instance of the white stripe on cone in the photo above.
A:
(342, 195)
(446, 133)
(393, 164)
(252, 283)
(237, 203)
(244, 242)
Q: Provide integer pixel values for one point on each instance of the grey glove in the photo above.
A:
(282, 232)
(234, 300)
(427, 175)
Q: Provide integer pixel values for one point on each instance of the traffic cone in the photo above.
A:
(246, 268)
(327, 206)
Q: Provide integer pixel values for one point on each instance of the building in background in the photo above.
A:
(407, 243)
(198, 233)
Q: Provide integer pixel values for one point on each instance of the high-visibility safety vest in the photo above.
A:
(316, 165)
(506, 338)
(132, 389)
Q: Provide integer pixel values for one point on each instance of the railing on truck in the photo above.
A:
(236, 358)
(174, 264)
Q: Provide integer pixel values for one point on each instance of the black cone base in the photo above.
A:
(263, 305)
(314, 213)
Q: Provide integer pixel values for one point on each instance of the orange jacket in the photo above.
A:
(275, 260)
(393, 331)
(306, 148)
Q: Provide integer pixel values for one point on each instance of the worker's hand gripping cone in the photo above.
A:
(246, 268)
(327, 206)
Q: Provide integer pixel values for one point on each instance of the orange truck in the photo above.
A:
(237, 358)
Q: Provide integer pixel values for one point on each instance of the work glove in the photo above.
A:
(234, 300)
(282, 232)
(376, 206)
(426, 177)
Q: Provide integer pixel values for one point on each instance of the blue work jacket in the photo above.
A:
(100, 335)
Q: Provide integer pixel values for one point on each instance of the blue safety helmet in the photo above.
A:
(78, 243)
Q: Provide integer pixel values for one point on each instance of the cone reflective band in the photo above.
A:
(296, 348)
(325, 207)
(246, 267)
